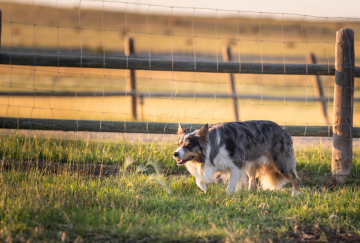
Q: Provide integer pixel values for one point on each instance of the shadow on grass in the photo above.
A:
(308, 179)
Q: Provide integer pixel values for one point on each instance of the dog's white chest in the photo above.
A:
(205, 172)
(222, 161)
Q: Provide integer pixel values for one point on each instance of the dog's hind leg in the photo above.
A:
(235, 175)
(252, 178)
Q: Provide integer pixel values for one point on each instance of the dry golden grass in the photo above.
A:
(163, 110)
(29, 26)
(192, 110)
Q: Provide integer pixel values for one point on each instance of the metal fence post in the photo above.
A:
(341, 163)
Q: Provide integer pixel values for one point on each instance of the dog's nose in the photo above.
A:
(175, 154)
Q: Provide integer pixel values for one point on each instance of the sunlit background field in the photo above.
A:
(252, 38)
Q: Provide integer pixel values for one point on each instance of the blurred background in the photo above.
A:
(101, 28)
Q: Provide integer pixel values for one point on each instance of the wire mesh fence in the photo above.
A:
(71, 66)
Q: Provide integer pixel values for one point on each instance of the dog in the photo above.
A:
(240, 152)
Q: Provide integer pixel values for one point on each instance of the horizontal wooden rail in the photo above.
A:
(161, 95)
(139, 127)
(168, 65)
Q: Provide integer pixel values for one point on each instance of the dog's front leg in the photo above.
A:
(234, 178)
(201, 184)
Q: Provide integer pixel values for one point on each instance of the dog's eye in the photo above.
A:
(189, 146)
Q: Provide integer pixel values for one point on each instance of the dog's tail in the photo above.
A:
(270, 178)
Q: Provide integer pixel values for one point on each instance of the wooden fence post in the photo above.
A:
(319, 93)
(0, 26)
(341, 163)
(232, 91)
(129, 50)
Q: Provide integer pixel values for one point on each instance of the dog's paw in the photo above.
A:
(204, 189)
(202, 185)
(229, 192)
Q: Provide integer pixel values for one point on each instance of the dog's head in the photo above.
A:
(191, 146)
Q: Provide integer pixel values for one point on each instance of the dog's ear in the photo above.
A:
(203, 132)
(181, 130)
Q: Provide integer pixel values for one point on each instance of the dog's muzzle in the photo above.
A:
(181, 161)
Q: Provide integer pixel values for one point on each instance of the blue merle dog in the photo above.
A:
(240, 152)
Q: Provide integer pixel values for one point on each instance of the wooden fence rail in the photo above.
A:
(162, 95)
(139, 127)
(169, 65)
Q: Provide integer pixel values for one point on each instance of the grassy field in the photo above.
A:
(144, 203)
(78, 189)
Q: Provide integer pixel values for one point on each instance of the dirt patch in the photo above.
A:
(45, 166)
(320, 180)
(86, 169)
(316, 233)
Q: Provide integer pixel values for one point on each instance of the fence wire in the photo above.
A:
(173, 33)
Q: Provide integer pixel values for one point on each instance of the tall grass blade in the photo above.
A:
(128, 162)
(141, 168)
(159, 179)
(155, 165)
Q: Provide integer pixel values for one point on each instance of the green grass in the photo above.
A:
(150, 206)
(80, 151)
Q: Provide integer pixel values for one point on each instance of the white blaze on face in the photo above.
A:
(181, 152)
(180, 149)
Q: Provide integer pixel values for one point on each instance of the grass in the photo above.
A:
(85, 150)
(163, 204)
